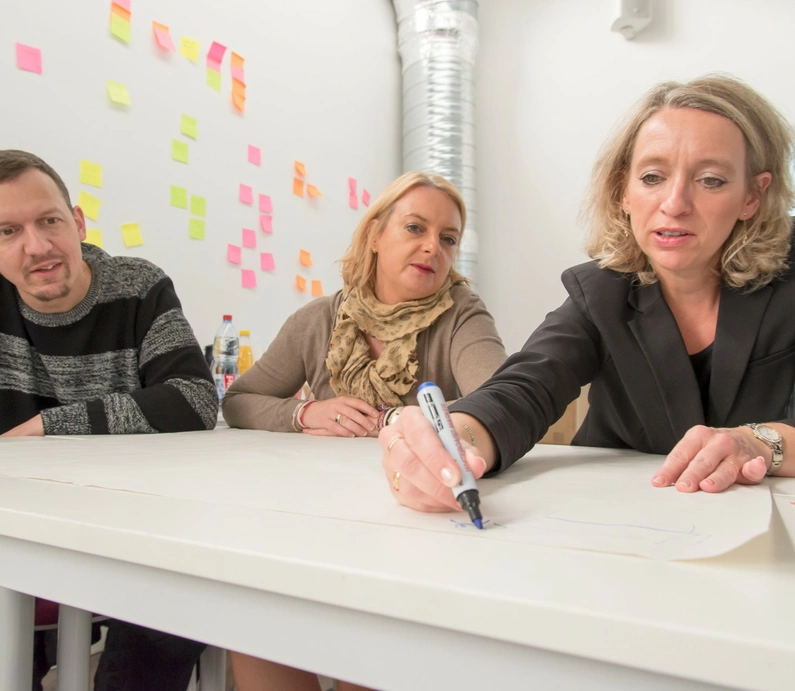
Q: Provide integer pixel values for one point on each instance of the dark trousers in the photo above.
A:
(135, 659)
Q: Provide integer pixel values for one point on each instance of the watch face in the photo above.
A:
(768, 433)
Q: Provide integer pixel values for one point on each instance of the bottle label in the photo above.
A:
(223, 380)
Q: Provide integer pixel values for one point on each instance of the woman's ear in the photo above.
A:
(373, 234)
(759, 183)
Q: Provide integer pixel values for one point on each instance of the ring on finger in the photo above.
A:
(396, 481)
(338, 418)
(736, 467)
(392, 442)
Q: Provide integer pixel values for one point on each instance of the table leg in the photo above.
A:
(16, 634)
(213, 669)
(74, 648)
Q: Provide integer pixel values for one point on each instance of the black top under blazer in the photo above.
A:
(623, 339)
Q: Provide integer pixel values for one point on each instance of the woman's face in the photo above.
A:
(686, 189)
(417, 247)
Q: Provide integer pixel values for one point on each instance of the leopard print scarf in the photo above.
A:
(385, 380)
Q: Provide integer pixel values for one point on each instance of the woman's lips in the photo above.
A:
(424, 268)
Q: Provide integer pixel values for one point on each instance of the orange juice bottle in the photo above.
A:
(245, 358)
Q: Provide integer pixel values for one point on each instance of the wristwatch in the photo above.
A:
(773, 439)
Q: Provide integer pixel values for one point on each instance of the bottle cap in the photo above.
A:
(245, 332)
(227, 317)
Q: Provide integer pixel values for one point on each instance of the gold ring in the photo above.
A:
(396, 481)
(736, 467)
(338, 418)
(392, 442)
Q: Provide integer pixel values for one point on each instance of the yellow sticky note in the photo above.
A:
(131, 232)
(179, 197)
(196, 229)
(189, 47)
(305, 258)
(179, 151)
(317, 289)
(313, 191)
(300, 283)
(300, 169)
(213, 79)
(298, 187)
(118, 93)
(93, 237)
(198, 205)
(90, 205)
(91, 173)
(120, 27)
(189, 127)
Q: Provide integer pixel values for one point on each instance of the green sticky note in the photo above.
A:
(91, 173)
(213, 79)
(118, 93)
(179, 197)
(198, 205)
(189, 127)
(120, 27)
(131, 232)
(179, 151)
(197, 229)
(90, 205)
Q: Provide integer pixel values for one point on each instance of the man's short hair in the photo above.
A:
(14, 163)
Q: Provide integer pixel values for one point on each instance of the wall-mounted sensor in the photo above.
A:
(634, 16)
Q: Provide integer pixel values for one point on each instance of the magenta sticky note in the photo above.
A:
(254, 155)
(266, 262)
(28, 58)
(233, 254)
(353, 200)
(249, 278)
(365, 198)
(246, 194)
(249, 238)
(266, 224)
(265, 204)
(216, 52)
(352, 185)
(237, 73)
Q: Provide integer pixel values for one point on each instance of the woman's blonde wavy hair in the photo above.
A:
(756, 251)
(359, 261)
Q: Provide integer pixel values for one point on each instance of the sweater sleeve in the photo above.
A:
(476, 350)
(176, 391)
(263, 397)
(534, 386)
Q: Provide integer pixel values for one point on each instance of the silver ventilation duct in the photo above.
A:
(438, 42)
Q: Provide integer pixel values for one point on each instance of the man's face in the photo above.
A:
(40, 240)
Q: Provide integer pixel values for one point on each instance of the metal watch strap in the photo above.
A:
(775, 446)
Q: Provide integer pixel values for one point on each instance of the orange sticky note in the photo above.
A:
(298, 187)
(249, 238)
(249, 278)
(300, 283)
(119, 10)
(239, 102)
(300, 169)
(236, 60)
(266, 262)
(317, 289)
(162, 36)
(305, 258)
(313, 191)
(233, 254)
(246, 194)
(28, 58)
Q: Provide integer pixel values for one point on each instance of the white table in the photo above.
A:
(395, 607)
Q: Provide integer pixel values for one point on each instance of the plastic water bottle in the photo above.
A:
(246, 357)
(225, 351)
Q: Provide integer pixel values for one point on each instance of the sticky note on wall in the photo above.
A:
(254, 155)
(189, 47)
(28, 58)
(305, 258)
(317, 289)
(179, 151)
(249, 238)
(91, 173)
(266, 262)
(118, 93)
(162, 36)
(198, 205)
(246, 194)
(189, 127)
(89, 204)
(93, 237)
(300, 283)
(233, 254)
(196, 229)
(131, 232)
(179, 197)
(298, 187)
(266, 223)
(248, 278)
(265, 204)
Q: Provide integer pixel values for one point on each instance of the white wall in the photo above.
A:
(323, 87)
(551, 81)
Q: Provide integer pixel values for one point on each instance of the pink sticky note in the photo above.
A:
(249, 238)
(353, 200)
(213, 65)
(352, 185)
(254, 156)
(265, 204)
(163, 36)
(365, 198)
(233, 254)
(246, 194)
(249, 278)
(266, 261)
(28, 58)
(216, 52)
(237, 73)
(123, 3)
(266, 224)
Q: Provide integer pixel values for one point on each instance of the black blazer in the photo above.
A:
(623, 339)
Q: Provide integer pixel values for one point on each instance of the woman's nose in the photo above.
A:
(677, 200)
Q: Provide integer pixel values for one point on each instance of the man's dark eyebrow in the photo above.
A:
(424, 220)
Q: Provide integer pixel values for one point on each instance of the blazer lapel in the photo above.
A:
(739, 317)
(657, 334)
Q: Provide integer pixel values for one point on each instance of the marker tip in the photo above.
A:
(478, 523)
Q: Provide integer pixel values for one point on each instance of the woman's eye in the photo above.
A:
(449, 240)
(413, 228)
(650, 178)
(713, 182)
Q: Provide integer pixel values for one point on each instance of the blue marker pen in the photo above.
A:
(435, 410)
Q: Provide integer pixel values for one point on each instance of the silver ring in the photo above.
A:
(338, 418)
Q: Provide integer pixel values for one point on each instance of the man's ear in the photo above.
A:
(80, 222)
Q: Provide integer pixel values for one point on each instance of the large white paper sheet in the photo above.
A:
(595, 499)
